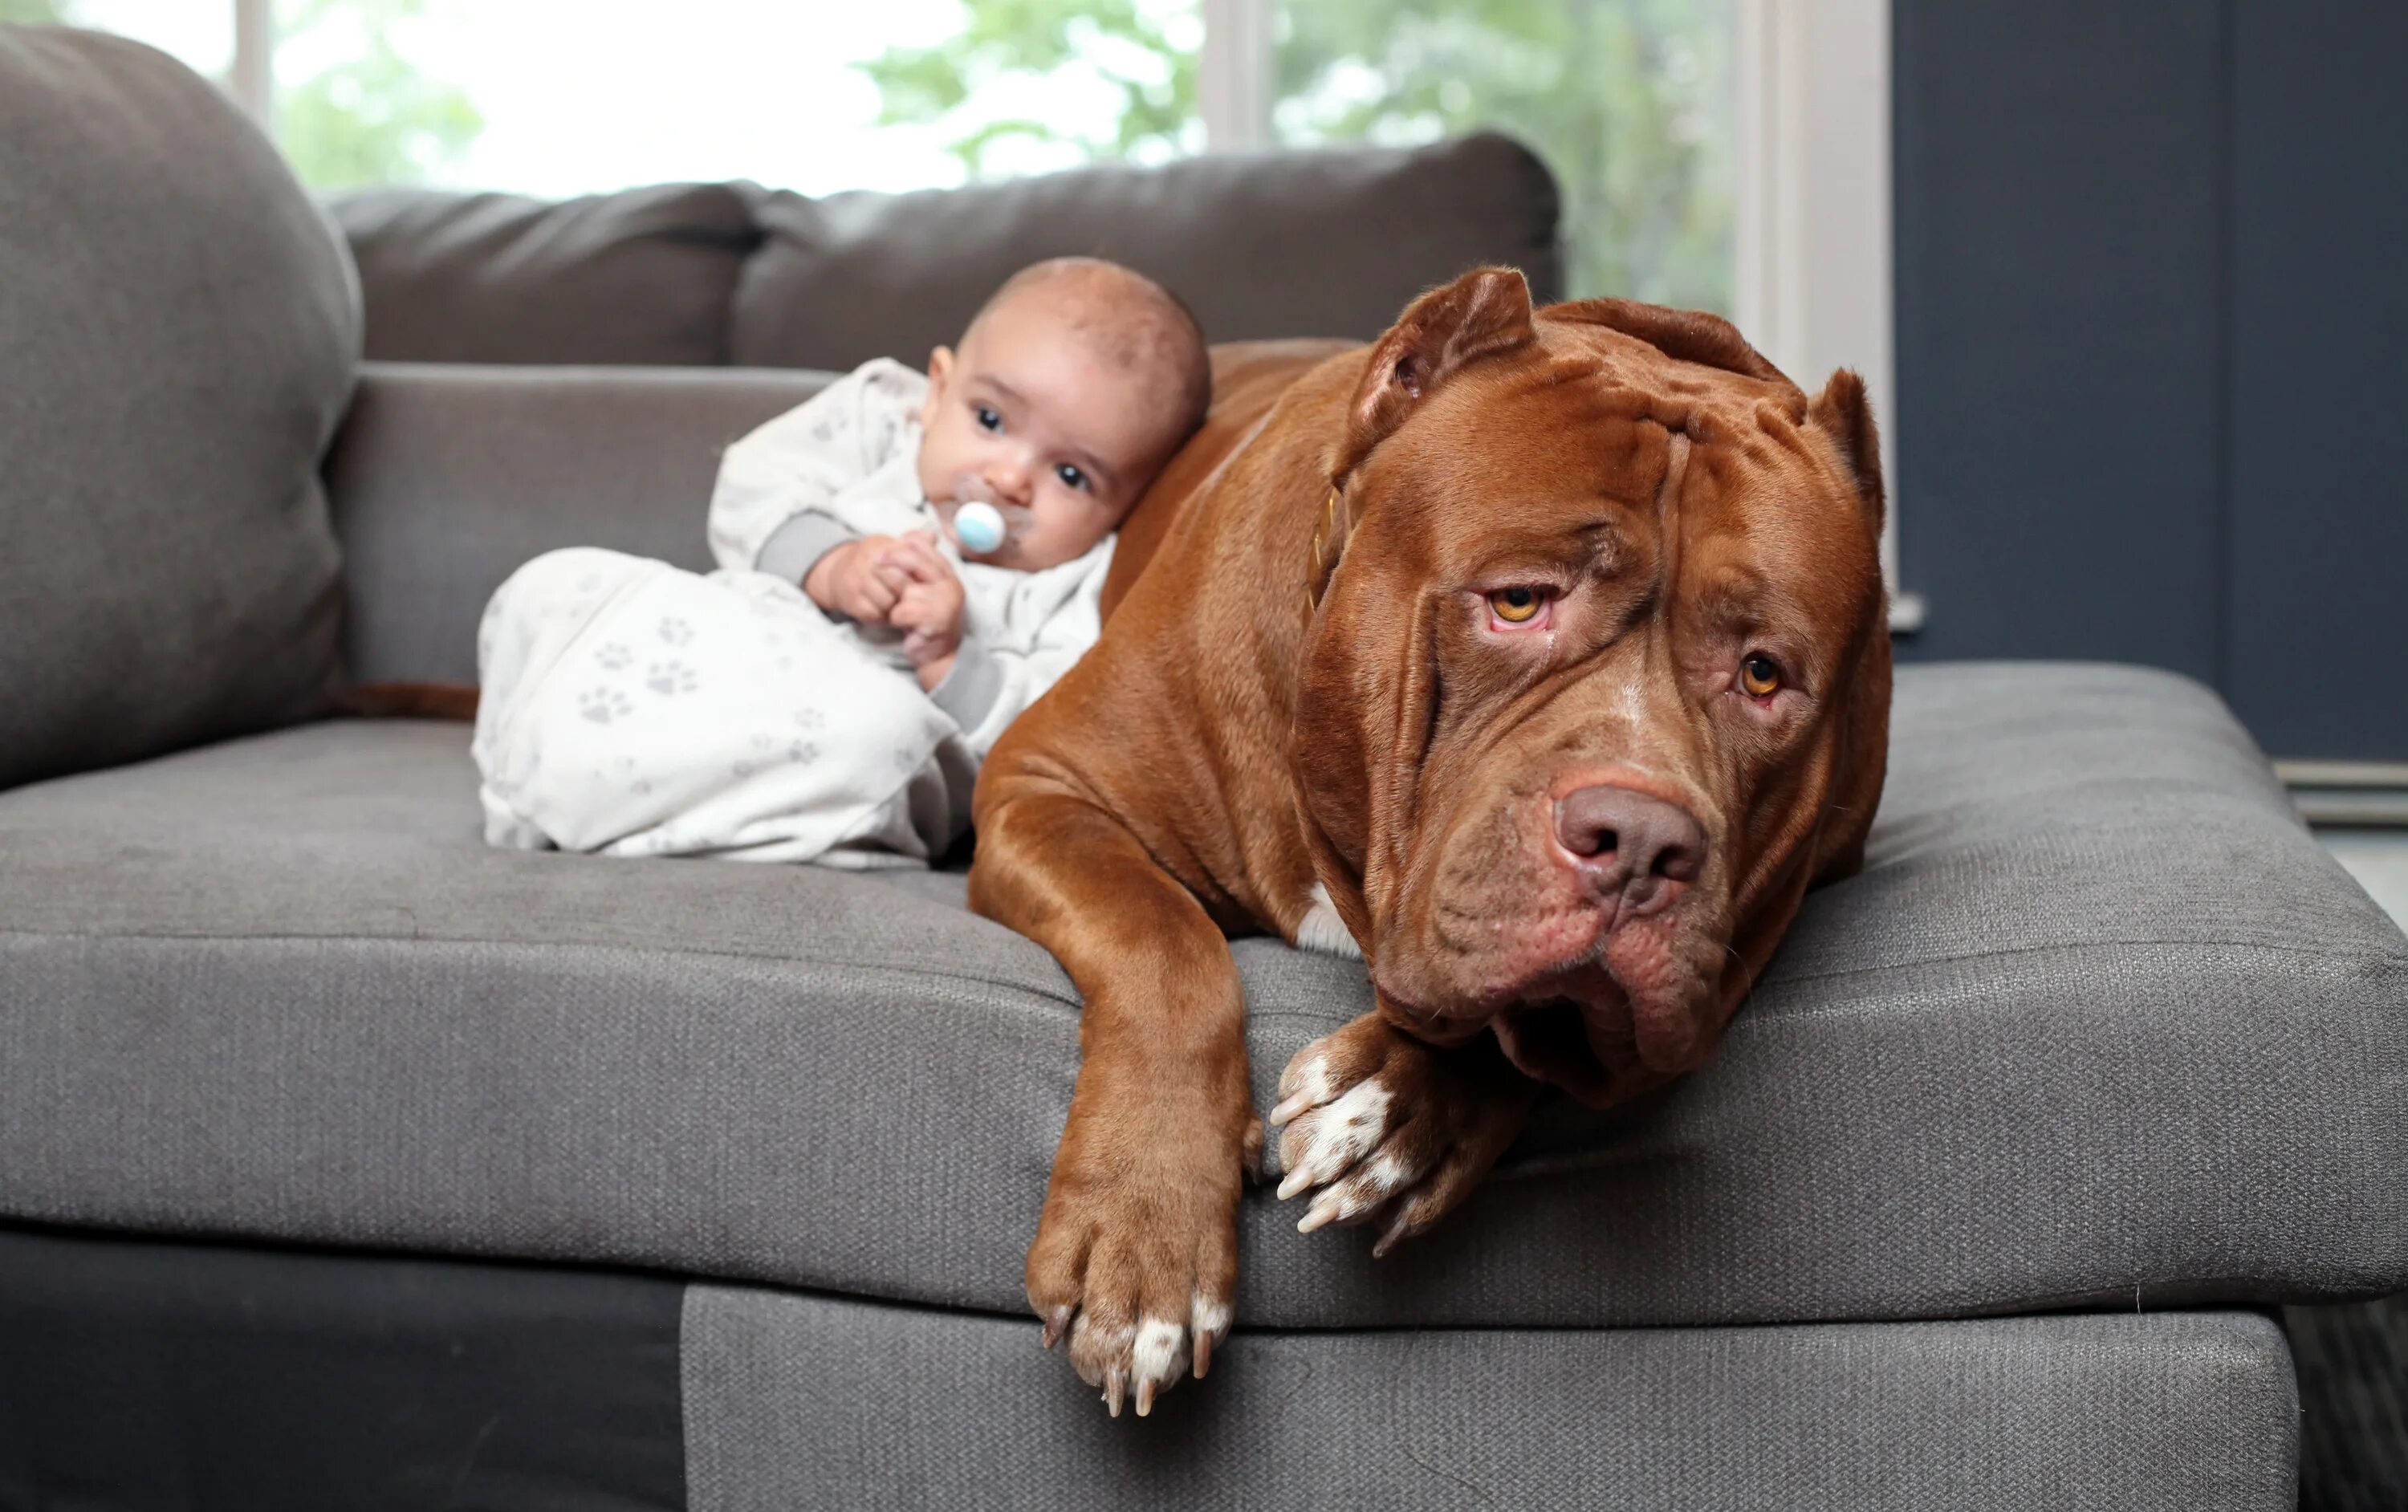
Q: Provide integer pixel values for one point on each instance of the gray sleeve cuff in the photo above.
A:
(970, 689)
(795, 547)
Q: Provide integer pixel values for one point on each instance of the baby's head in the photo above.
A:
(1073, 385)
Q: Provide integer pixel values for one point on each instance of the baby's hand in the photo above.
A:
(928, 611)
(850, 581)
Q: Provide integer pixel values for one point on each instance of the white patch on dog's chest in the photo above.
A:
(1323, 930)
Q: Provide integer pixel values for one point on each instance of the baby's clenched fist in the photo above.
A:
(847, 580)
(928, 606)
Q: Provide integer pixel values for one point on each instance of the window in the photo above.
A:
(200, 34)
(557, 97)
(1628, 101)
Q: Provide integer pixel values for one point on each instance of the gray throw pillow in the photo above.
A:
(178, 329)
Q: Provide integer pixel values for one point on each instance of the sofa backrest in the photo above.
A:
(1306, 242)
(643, 275)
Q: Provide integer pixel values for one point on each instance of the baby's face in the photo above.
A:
(1058, 439)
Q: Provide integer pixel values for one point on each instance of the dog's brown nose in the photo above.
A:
(1638, 849)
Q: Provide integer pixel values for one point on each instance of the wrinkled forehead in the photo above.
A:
(1591, 413)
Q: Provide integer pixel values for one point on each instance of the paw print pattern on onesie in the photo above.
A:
(675, 631)
(603, 704)
(670, 677)
(614, 656)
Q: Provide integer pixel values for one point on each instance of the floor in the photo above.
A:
(2379, 860)
(2353, 1361)
(2353, 1366)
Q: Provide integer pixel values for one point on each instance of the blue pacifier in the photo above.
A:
(978, 526)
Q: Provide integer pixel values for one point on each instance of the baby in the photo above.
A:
(905, 564)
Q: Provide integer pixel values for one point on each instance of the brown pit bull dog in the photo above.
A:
(1537, 658)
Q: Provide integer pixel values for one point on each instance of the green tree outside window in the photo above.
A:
(1627, 100)
(369, 115)
(365, 114)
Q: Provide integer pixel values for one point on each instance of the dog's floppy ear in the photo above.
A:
(1842, 412)
(1480, 314)
(1484, 312)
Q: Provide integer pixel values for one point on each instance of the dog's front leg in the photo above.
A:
(1135, 1252)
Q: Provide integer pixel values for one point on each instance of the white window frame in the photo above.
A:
(1233, 76)
(253, 79)
(1815, 288)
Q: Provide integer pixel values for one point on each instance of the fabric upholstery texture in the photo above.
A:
(180, 326)
(447, 478)
(1293, 244)
(2099, 1023)
(642, 275)
(795, 1402)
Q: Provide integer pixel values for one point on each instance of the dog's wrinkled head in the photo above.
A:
(1596, 680)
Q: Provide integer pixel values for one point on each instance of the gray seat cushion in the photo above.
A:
(2183, 1412)
(2099, 1023)
(180, 326)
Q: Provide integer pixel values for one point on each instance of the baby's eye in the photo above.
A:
(987, 418)
(1071, 477)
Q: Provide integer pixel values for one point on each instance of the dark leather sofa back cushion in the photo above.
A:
(179, 326)
(645, 276)
(1312, 243)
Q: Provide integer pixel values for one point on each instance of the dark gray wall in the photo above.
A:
(2153, 345)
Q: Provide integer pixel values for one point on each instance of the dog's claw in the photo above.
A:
(1203, 1350)
(1056, 1323)
(1144, 1396)
(1113, 1385)
(1291, 1108)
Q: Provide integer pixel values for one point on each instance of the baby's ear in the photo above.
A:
(940, 369)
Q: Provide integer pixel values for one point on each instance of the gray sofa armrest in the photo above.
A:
(446, 478)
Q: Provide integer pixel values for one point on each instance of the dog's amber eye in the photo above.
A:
(1759, 676)
(1515, 606)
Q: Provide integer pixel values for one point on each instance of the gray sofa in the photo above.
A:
(346, 1162)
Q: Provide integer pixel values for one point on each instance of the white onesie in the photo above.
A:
(634, 708)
